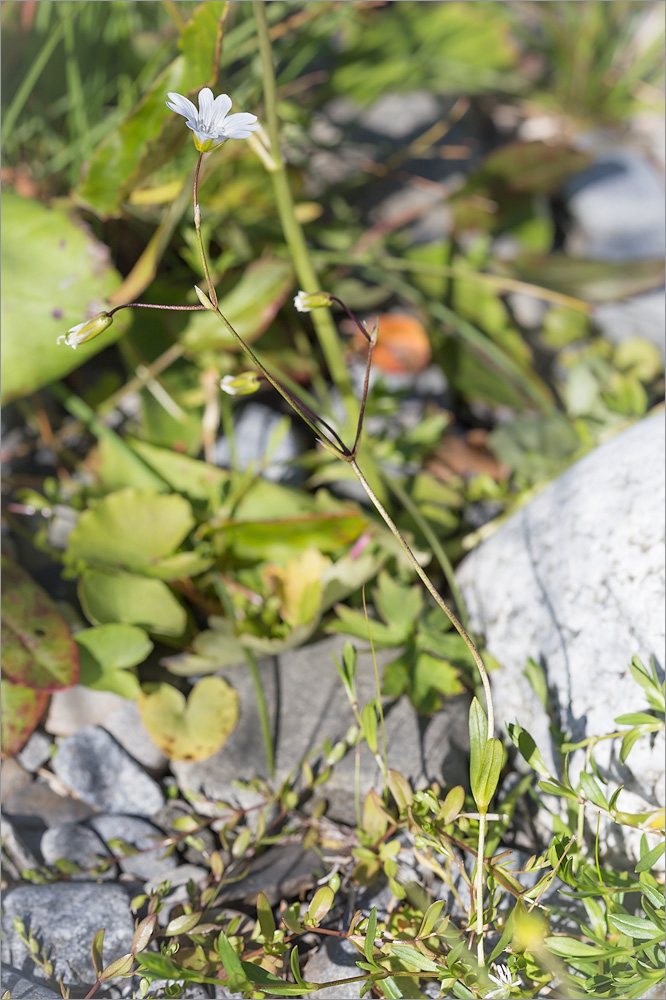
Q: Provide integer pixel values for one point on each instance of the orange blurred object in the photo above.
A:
(402, 346)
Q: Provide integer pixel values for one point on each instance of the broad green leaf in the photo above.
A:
(277, 539)
(37, 647)
(107, 652)
(401, 790)
(55, 276)
(131, 529)
(431, 918)
(348, 574)
(635, 927)
(22, 708)
(183, 924)
(194, 479)
(191, 729)
(152, 133)
(298, 586)
(250, 308)
(131, 600)
(232, 964)
(399, 606)
(213, 649)
(591, 280)
(352, 622)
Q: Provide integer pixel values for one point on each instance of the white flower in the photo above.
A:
(83, 332)
(210, 124)
(305, 302)
(504, 981)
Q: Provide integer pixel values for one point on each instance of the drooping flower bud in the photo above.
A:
(86, 331)
(306, 301)
(242, 384)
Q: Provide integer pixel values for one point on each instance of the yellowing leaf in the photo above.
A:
(191, 729)
(298, 586)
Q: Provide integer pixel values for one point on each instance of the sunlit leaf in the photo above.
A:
(193, 728)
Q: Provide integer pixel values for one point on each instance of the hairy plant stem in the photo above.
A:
(307, 277)
(197, 226)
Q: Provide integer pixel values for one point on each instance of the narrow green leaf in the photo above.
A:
(143, 933)
(265, 917)
(528, 748)
(97, 948)
(121, 967)
(592, 791)
(488, 778)
(321, 904)
(478, 734)
(430, 918)
(636, 719)
(635, 927)
(647, 861)
(569, 947)
(414, 958)
(452, 804)
(295, 965)
(369, 725)
(232, 965)
(557, 788)
(182, 925)
(370, 931)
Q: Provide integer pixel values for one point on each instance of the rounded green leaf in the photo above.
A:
(133, 600)
(107, 652)
(22, 708)
(191, 729)
(131, 529)
(37, 648)
(55, 276)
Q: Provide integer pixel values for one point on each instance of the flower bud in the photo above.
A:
(305, 301)
(203, 299)
(83, 332)
(240, 385)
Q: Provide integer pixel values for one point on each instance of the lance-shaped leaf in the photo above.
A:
(485, 785)
(37, 647)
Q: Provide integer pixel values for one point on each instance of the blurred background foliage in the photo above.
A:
(97, 176)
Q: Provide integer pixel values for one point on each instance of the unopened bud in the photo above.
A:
(305, 301)
(83, 332)
(203, 299)
(240, 385)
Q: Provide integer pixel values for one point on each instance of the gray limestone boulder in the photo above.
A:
(575, 580)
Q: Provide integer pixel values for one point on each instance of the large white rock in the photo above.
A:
(575, 580)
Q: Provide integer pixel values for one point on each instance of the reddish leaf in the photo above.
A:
(37, 648)
(22, 709)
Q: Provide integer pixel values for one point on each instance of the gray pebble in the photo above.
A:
(103, 775)
(77, 843)
(141, 835)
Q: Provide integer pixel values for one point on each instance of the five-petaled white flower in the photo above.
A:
(210, 124)
(85, 331)
(504, 981)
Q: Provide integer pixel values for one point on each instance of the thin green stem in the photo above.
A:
(29, 81)
(432, 540)
(434, 594)
(197, 226)
(478, 883)
(263, 711)
(380, 706)
(307, 277)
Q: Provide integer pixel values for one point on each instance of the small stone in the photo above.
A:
(77, 843)
(281, 872)
(79, 706)
(126, 726)
(17, 856)
(22, 986)
(64, 917)
(142, 835)
(14, 779)
(399, 115)
(35, 753)
(335, 959)
(40, 799)
(104, 776)
(617, 206)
